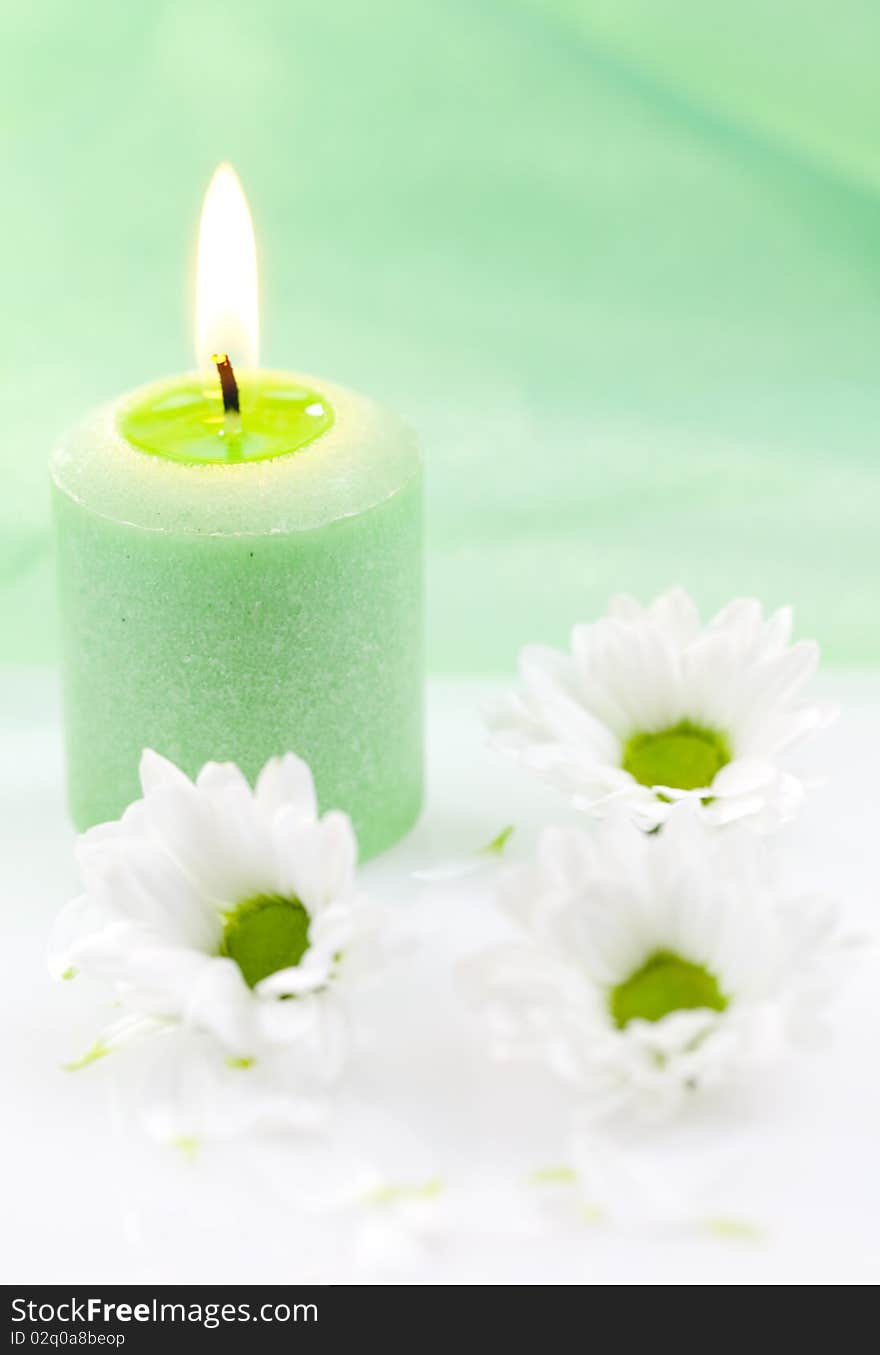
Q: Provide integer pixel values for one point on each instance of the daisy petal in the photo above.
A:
(286, 782)
(156, 771)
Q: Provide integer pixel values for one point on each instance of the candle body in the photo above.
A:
(235, 612)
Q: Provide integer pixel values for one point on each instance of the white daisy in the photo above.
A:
(650, 708)
(224, 910)
(652, 966)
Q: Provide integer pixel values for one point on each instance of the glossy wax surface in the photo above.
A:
(184, 420)
(237, 611)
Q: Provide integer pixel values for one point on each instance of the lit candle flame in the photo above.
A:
(227, 311)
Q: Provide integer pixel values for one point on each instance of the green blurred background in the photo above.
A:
(619, 262)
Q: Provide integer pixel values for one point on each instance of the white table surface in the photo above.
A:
(791, 1156)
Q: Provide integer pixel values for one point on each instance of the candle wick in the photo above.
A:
(229, 390)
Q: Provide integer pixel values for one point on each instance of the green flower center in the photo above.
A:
(665, 983)
(265, 934)
(685, 756)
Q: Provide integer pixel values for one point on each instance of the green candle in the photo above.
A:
(238, 585)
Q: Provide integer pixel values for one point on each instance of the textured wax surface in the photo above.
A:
(220, 645)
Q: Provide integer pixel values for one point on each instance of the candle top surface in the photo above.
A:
(184, 420)
(356, 455)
